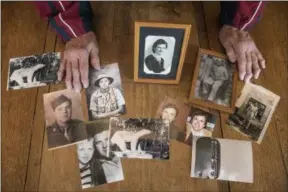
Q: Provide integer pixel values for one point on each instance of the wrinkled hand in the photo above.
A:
(74, 65)
(241, 47)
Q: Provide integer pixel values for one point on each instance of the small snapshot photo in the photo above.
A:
(222, 159)
(214, 81)
(199, 123)
(33, 71)
(96, 168)
(104, 96)
(138, 138)
(254, 110)
(159, 52)
(64, 118)
(173, 113)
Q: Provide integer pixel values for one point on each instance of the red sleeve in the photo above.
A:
(69, 19)
(241, 14)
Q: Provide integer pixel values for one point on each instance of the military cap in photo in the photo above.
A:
(59, 100)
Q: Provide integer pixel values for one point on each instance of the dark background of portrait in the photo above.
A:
(178, 34)
(211, 118)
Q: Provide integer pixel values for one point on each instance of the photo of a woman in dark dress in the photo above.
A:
(155, 61)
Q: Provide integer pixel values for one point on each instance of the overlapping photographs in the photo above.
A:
(138, 138)
(96, 168)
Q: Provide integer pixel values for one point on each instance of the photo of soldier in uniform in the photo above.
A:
(64, 118)
(33, 71)
(254, 110)
(212, 159)
(104, 96)
(139, 138)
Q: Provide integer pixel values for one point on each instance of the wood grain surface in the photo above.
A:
(27, 165)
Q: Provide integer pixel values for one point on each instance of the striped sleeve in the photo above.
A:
(69, 19)
(241, 14)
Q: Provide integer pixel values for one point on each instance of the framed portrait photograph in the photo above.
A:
(214, 81)
(159, 52)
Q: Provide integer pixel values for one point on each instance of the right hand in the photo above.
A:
(74, 65)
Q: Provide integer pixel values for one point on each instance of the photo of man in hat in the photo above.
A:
(106, 100)
(64, 130)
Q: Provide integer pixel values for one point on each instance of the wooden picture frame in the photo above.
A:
(207, 103)
(173, 77)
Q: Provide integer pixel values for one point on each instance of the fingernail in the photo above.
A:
(85, 85)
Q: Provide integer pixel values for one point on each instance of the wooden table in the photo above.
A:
(27, 165)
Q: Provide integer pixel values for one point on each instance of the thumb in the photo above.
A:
(94, 58)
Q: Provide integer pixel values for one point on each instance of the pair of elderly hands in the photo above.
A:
(82, 51)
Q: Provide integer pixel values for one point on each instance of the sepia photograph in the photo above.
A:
(212, 159)
(159, 52)
(198, 123)
(64, 118)
(138, 138)
(96, 168)
(254, 110)
(104, 96)
(214, 81)
(33, 71)
(173, 113)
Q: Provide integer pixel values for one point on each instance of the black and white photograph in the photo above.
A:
(212, 159)
(96, 168)
(159, 51)
(104, 96)
(33, 71)
(213, 80)
(64, 118)
(254, 110)
(138, 138)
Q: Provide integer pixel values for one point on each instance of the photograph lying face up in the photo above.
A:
(64, 118)
(96, 168)
(33, 71)
(138, 138)
(104, 96)
(254, 110)
(222, 159)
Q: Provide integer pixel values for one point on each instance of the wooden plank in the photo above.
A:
(19, 38)
(274, 50)
(38, 128)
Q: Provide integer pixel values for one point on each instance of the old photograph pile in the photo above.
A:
(185, 121)
(254, 110)
(96, 168)
(64, 118)
(33, 71)
(138, 138)
(222, 159)
(104, 95)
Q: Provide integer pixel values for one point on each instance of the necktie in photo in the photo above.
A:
(66, 134)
